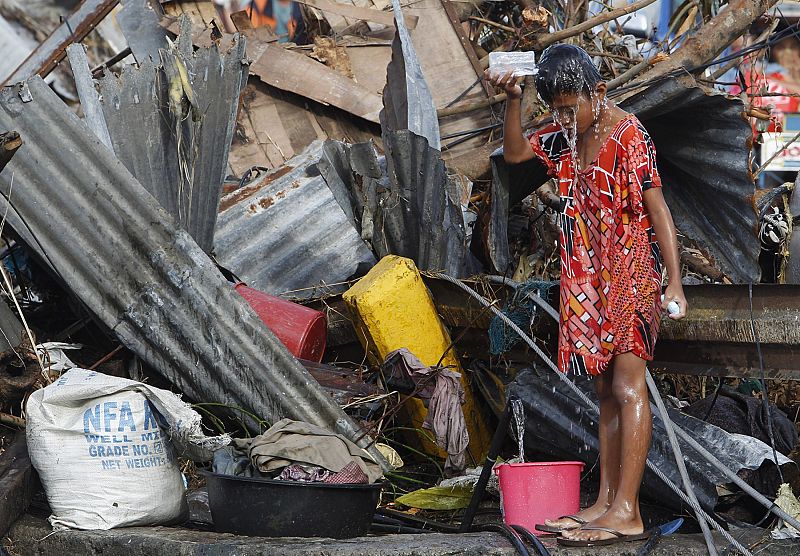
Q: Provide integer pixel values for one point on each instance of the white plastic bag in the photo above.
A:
(105, 450)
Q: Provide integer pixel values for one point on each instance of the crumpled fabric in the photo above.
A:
(290, 442)
(351, 474)
(445, 396)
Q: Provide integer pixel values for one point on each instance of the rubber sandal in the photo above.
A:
(617, 538)
(556, 530)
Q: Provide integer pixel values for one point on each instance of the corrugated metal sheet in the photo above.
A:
(407, 100)
(179, 153)
(420, 216)
(703, 150)
(115, 247)
(139, 22)
(405, 204)
(703, 146)
(286, 232)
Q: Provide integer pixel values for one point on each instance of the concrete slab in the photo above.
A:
(33, 536)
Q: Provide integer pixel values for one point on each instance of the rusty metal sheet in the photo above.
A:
(407, 100)
(147, 281)
(285, 233)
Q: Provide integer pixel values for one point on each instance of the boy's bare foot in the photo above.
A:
(624, 521)
(589, 514)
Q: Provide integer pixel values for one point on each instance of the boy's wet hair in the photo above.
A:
(565, 69)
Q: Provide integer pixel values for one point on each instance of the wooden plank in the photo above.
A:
(296, 73)
(53, 49)
(201, 13)
(455, 21)
(369, 66)
(358, 13)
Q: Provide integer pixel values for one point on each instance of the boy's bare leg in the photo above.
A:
(630, 392)
(610, 450)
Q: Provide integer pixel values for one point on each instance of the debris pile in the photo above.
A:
(298, 218)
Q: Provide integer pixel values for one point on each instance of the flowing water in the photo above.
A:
(519, 424)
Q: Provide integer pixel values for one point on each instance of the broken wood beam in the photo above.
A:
(53, 49)
(696, 264)
(296, 73)
(709, 41)
(10, 141)
(363, 14)
(543, 40)
(12, 420)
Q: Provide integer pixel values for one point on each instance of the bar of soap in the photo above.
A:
(521, 63)
(673, 308)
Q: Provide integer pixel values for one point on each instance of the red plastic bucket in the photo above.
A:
(301, 329)
(533, 492)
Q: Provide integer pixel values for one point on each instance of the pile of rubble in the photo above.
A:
(268, 220)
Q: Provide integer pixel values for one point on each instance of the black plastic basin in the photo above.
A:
(270, 508)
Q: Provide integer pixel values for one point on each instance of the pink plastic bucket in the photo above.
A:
(533, 492)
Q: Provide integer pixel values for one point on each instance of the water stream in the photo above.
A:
(519, 424)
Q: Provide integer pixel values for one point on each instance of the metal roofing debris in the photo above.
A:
(87, 93)
(53, 49)
(421, 215)
(286, 232)
(188, 138)
(407, 100)
(709, 190)
(120, 253)
(405, 204)
(139, 22)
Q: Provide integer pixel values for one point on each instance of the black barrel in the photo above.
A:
(269, 508)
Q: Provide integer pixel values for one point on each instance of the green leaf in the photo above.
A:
(438, 498)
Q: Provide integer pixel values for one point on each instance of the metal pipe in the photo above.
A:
(676, 449)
